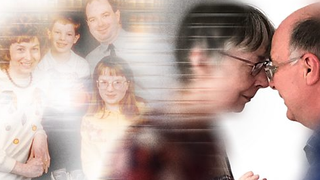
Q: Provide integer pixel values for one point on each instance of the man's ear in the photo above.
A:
(311, 69)
(118, 15)
(199, 61)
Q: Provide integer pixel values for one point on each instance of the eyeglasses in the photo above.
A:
(256, 67)
(117, 84)
(272, 69)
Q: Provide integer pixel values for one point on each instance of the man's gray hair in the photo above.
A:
(306, 36)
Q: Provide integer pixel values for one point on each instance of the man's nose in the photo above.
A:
(271, 84)
(100, 22)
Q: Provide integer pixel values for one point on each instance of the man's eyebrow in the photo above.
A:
(91, 17)
(271, 59)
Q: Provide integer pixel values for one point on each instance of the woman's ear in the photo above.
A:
(199, 61)
(311, 69)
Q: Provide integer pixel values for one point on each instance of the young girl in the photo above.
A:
(113, 108)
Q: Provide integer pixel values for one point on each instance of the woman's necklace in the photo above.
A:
(7, 72)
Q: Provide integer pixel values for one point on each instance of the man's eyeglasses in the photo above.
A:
(117, 84)
(256, 67)
(272, 69)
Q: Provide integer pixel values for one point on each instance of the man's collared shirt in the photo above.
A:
(312, 150)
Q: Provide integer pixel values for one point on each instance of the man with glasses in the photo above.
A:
(295, 73)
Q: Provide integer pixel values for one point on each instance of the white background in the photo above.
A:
(261, 138)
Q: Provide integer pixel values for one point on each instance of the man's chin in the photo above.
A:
(102, 38)
(290, 116)
(306, 123)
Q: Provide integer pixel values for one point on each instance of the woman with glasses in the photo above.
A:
(113, 108)
(221, 49)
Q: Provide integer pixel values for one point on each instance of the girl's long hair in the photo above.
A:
(115, 66)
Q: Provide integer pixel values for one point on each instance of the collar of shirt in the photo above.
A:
(54, 63)
(312, 149)
(118, 43)
(103, 47)
(107, 113)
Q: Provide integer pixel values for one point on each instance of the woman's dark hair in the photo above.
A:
(213, 26)
(20, 29)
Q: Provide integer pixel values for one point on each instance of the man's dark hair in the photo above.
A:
(113, 4)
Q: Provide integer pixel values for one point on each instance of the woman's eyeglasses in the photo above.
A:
(256, 67)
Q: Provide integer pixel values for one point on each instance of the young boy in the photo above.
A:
(65, 74)
(65, 71)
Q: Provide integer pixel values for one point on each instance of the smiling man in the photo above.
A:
(103, 19)
(295, 73)
(292, 71)
(147, 52)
